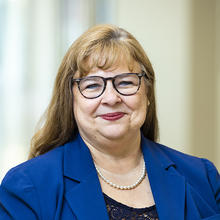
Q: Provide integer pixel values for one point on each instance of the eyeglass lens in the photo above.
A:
(94, 86)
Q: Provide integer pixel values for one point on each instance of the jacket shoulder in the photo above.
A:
(195, 169)
(192, 167)
(39, 163)
(187, 160)
(33, 186)
(36, 171)
(178, 157)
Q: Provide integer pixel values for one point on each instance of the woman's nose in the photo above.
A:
(110, 95)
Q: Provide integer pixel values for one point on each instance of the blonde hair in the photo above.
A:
(102, 46)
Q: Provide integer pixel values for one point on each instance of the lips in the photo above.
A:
(112, 116)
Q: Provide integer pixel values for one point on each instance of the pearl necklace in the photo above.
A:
(139, 180)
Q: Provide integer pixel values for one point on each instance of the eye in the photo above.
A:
(93, 86)
(126, 83)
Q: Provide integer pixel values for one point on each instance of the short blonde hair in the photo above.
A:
(103, 47)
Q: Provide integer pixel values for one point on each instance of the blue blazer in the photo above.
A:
(63, 184)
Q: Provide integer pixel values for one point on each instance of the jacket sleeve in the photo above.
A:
(214, 180)
(18, 197)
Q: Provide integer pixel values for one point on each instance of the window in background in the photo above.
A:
(34, 37)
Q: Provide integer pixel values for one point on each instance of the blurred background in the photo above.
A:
(181, 38)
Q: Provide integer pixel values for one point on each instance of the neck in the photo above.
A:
(112, 155)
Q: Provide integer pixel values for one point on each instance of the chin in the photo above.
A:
(113, 136)
(113, 133)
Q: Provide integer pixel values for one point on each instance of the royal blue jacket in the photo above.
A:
(63, 185)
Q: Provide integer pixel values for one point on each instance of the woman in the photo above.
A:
(96, 157)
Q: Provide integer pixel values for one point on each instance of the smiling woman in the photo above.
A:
(96, 156)
(111, 115)
(101, 51)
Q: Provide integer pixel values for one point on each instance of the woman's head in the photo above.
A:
(105, 48)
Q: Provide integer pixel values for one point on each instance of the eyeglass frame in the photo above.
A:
(105, 79)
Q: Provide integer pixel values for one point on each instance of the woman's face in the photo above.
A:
(112, 115)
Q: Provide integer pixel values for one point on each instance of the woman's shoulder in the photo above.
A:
(185, 163)
(34, 185)
(186, 159)
(200, 174)
(37, 170)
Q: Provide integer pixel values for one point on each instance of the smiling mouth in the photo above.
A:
(112, 116)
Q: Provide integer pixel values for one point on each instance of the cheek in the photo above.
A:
(138, 106)
(138, 103)
(83, 108)
(78, 105)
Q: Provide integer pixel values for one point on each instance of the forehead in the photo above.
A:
(120, 68)
(108, 58)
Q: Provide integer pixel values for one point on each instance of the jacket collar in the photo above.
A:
(77, 157)
(167, 185)
(152, 152)
(82, 188)
(78, 162)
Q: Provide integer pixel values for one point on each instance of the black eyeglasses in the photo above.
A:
(125, 84)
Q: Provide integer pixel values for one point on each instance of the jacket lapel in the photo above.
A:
(86, 200)
(83, 190)
(167, 185)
